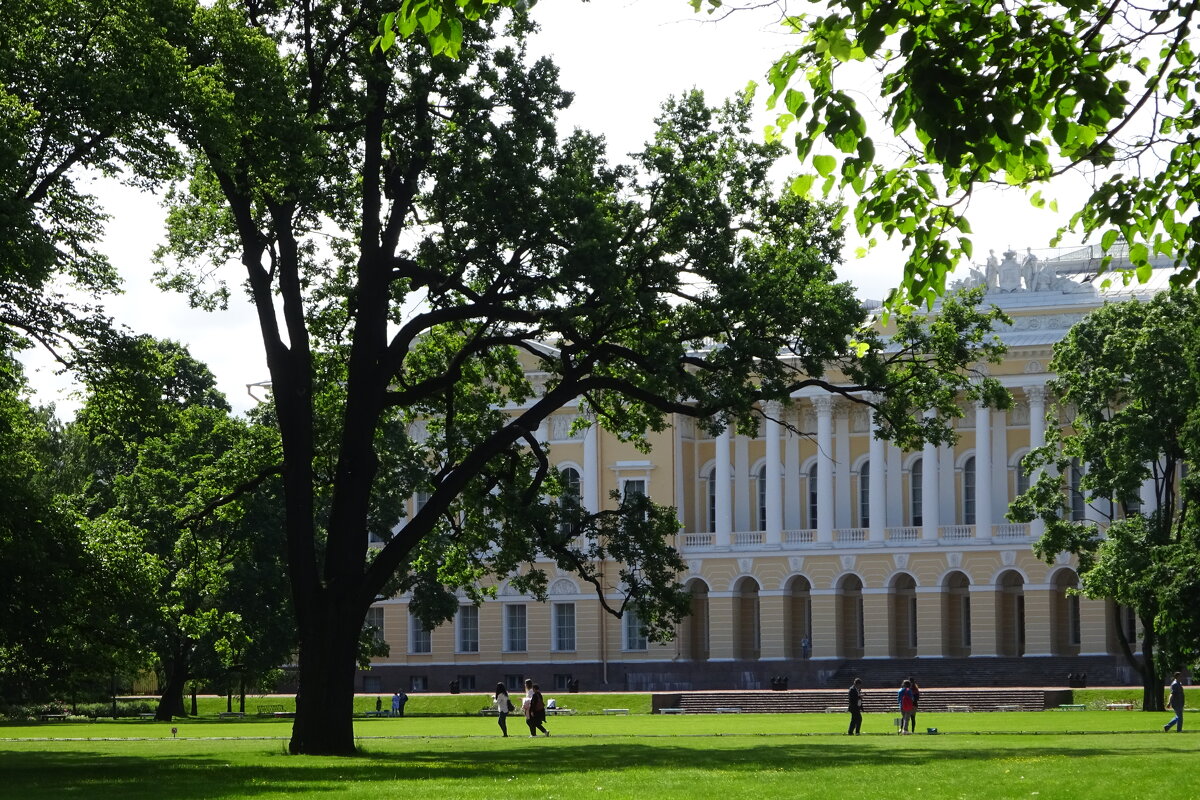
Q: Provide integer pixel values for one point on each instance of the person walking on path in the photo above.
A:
(503, 706)
(856, 708)
(1175, 701)
(905, 700)
(535, 710)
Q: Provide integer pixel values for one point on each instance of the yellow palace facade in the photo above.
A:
(814, 557)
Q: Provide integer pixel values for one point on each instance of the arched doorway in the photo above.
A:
(694, 646)
(851, 633)
(746, 620)
(1010, 614)
(798, 618)
(956, 616)
(1064, 614)
(902, 617)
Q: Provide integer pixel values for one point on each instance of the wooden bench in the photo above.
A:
(231, 714)
(489, 711)
(616, 711)
(727, 710)
(554, 712)
(268, 711)
(959, 709)
(1119, 706)
(1008, 707)
(146, 715)
(380, 713)
(53, 717)
(837, 709)
(670, 711)
(1072, 707)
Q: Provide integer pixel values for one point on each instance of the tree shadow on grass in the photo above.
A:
(32, 775)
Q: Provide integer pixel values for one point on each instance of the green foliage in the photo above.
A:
(1128, 389)
(971, 95)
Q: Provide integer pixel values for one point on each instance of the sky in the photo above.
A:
(621, 58)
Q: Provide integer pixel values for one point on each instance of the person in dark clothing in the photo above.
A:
(1176, 703)
(856, 708)
(916, 702)
(535, 712)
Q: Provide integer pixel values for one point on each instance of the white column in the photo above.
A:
(895, 487)
(843, 518)
(591, 468)
(774, 493)
(824, 407)
(742, 501)
(875, 484)
(1000, 482)
(930, 502)
(792, 498)
(724, 508)
(983, 471)
(677, 445)
(1036, 396)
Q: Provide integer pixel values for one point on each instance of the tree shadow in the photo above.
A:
(32, 775)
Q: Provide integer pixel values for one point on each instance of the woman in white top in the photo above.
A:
(503, 706)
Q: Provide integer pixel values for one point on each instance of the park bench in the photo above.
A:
(1119, 706)
(489, 711)
(269, 710)
(959, 709)
(1008, 707)
(52, 717)
(231, 714)
(727, 710)
(1072, 707)
(146, 715)
(837, 709)
(616, 711)
(556, 711)
(670, 711)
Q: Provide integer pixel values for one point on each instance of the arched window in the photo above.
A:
(864, 495)
(572, 495)
(1022, 478)
(914, 492)
(812, 496)
(968, 490)
(762, 497)
(711, 508)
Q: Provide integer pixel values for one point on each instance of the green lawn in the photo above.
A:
(1043, 755)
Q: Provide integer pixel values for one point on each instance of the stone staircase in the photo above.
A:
(807, 701)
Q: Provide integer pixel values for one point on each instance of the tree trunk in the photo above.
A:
(1152, 683)
(328, 659)
(170, 703)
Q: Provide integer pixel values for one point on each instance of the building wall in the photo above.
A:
(799, 598)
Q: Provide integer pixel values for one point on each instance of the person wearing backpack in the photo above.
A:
(503, 705)
(535, 709)
(905, 699)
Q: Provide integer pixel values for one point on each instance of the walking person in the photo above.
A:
(535, 710)
(856, 708)
(904, 699)
(504, 707)
(916, 698)
(1175, 701)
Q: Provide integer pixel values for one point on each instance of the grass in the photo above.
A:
(1043, 755)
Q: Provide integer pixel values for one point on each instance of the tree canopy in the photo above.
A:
(417, 239)
(1127, 392)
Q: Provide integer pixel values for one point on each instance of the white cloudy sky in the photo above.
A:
(621, 58)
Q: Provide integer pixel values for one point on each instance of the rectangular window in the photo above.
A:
(514, 628)
(418, 683)
(864, 496)
(562, 682)
(374, 622)
(635, 634)
(564, 626)
(372, 684)
(468, 629)
(420, 640)
(514, 683)
(1073, 633)
(466, 683)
